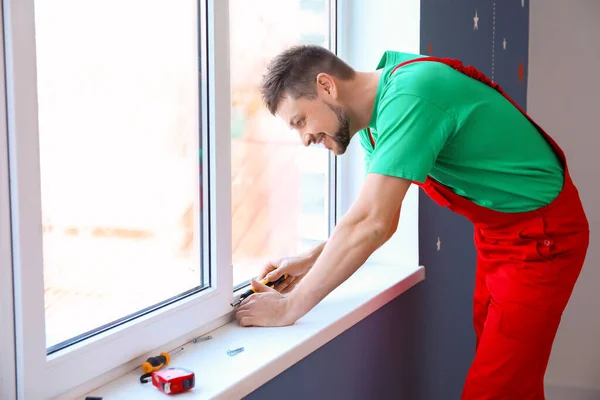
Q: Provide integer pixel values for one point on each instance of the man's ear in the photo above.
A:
(326, 86)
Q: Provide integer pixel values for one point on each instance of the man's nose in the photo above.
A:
(306, 139)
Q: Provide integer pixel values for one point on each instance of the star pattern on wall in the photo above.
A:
(521, 71)
(489, 21)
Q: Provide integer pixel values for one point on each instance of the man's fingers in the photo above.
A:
(242, 305)
(285, 285)
(242, 313)
(274, 275)
(287, 282)
(290, 287)
(246, 321)
(292, 284)
(259, 287)
(278, 271)
(246, 302)
(266, 270)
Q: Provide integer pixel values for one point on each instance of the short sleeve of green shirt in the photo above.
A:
(410, 133)
(367, 147)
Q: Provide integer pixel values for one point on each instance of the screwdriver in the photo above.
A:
(157, 362)
(264, 281)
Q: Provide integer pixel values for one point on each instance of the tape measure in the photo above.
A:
(173, 380)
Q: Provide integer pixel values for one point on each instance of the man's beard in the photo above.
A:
(342, 136)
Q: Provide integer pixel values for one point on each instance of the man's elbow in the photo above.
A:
(385, 229)
(391, 232)
(371, 228)
(380, 231)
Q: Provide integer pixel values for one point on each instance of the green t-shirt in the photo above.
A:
(430, 119)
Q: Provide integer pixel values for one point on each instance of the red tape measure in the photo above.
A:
(173, 380)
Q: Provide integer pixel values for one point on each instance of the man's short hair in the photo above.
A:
(294, 73)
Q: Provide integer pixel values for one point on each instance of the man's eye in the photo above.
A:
(300, 122)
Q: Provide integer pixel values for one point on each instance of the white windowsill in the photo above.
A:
(270, 351)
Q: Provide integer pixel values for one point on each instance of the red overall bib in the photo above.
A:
(527, 266)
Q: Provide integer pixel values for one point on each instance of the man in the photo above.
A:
(450, 130)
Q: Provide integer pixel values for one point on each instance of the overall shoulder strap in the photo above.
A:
(476, 74)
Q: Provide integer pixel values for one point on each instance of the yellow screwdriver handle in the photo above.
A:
(265, 281)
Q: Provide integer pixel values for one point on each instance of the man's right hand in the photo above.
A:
(294, 267)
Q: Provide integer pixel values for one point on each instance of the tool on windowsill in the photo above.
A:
(173, 380)
(233, 352)
(201, 339)
(153, 364)
(264, 281)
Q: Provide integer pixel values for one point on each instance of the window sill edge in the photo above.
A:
(221, 376)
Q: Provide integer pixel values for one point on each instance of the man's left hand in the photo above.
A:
(266, 307)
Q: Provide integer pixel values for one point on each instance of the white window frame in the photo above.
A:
(30, 373)
(42, 376)
(7, 338)
(335, 172)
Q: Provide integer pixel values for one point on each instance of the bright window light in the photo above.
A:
(280, 189)
(120, 160)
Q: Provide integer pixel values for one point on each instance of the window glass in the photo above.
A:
(120, 153)
(280, 189)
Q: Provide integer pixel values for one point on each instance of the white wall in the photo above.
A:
(367, 28)
(564, 96)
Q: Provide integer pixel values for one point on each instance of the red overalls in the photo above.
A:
(527, 266)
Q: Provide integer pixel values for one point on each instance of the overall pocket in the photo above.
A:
(523, 242)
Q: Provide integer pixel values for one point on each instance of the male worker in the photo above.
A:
(450, 130)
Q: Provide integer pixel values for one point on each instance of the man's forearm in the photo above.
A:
(347, 249)
(314, 253)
